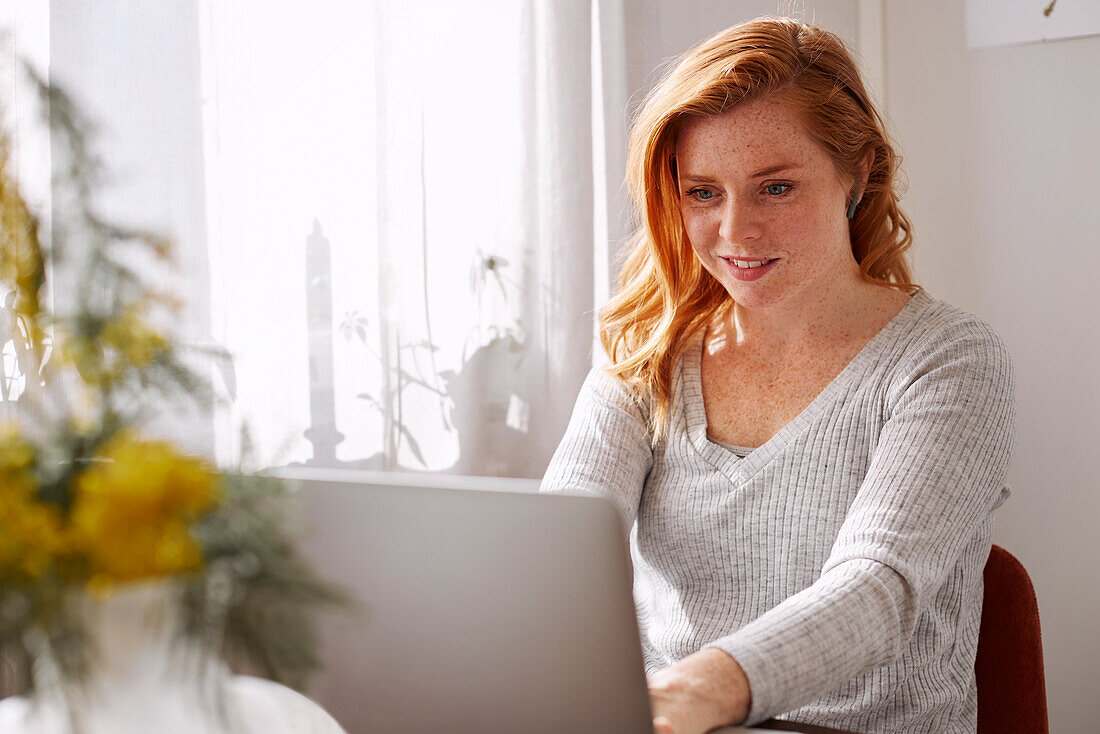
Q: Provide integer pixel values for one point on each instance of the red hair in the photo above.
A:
(665, 296)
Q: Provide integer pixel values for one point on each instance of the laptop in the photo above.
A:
(484, 607)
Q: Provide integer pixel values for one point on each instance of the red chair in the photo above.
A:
(1012, 694)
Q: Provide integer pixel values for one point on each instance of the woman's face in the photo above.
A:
(755, 188)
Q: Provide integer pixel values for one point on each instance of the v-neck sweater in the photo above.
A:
(840, 563)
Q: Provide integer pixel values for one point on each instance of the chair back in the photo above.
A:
(1012, 693)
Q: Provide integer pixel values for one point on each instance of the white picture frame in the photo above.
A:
(991, 23)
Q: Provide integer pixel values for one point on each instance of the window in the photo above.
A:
(385, 212)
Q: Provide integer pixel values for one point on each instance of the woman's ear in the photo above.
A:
(865, 169)
(863, 173)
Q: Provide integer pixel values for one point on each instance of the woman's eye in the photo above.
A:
(701, 194)
(777, 189)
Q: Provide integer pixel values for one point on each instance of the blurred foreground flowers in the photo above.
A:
(88, 504)
(129, 517)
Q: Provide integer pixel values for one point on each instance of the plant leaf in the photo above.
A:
(413, 445)
(371, 400)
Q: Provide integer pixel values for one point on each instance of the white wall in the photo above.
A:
(1002, 147)
(1002, 151)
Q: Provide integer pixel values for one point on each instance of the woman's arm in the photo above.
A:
(606, 448)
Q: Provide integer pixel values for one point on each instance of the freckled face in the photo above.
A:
(763, 206)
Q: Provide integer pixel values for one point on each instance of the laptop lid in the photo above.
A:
(484, 610)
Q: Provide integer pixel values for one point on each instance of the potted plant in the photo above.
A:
(129, 570)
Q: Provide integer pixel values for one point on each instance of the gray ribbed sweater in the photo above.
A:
(841, 562)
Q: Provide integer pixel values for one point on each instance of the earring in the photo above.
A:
(855, 202)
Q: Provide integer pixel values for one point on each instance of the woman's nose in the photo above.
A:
(740, 221)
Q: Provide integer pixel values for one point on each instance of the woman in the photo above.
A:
(807, 447)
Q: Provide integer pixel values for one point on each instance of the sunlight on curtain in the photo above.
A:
(391, 215)
(374, 187)
(288, 114)
(453, 200)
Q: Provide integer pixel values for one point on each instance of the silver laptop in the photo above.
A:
(485, 607)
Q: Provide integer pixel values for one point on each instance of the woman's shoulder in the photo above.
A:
(603, 387)
(929, 324)
(932, 334)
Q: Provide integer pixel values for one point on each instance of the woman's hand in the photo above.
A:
(703, 691)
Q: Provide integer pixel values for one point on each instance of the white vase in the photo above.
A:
(144, 679)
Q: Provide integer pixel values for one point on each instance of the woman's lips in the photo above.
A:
(749, 274)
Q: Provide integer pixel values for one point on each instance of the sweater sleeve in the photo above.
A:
(606, 448)
(937, 472)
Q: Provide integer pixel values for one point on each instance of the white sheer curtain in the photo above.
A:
(24, 35)
(394, 215)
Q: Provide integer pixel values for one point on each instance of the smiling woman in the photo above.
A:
(807, 448)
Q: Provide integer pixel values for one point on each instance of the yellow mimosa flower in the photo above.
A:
(133, 508)
(32, 533)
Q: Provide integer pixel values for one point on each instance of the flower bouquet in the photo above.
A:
(129, 570)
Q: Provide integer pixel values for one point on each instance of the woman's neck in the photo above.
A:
(852, 310)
